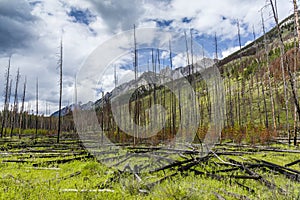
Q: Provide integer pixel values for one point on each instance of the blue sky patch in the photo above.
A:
(81, 16)
(163, 23)
(186, 20)
(33, 3)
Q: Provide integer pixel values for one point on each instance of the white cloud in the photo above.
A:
(32, 33)
(231, 50)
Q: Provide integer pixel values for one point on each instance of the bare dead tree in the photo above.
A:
(136, 106)
(115, 76)
(6, 103)
(135, 55)
(216, 47)
(187, 53)
(15, 106)
(9, 112)
(173, 101)
(22, 109)
(102, 118)
(268, 72)
(296, 20)
(192, 51)
(297, 34)
(37, 106)
(60, 62)
(241, 100)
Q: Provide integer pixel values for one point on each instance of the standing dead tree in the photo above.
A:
(268, 72)
(60, 62)
(173, 101)
(187, 53)
(15, 106)
(192, 52)
(22, 109)
(6, 103)
(136, 102)
(297, 33)
(241, 95)
(37, 107)
(296, 20)
(9, 112)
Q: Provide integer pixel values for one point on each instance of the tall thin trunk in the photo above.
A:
(192, 52)
(297, 31)
(216, 47)
(264, 100)
(296, 19)
(15, 108)
(37, 107)
(187, 53)
(173, 102)
(136, 110)
(269, 74)
(102, 118)
(60, 90)
(256, 77)
(230, 101)
(9, 112)
(22, 109)
(6, 103)
(241, 97)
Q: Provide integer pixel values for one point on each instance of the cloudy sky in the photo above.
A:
(30, 33)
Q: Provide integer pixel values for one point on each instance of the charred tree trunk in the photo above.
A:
(297, 31)
(269, 74)
(15, 106)
(37, 107)
(6, 103)
(60, 90)
(22, 110)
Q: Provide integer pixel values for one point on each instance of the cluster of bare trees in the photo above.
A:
(14, 116)
(260, 86)
(261, 91)
(10, 117)
(269, 82)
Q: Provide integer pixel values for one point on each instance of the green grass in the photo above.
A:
(23, 181)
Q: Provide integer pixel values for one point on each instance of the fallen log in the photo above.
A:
(16, 161)
(261, 179)
(61, 161)
(283, 170)
(219, 197)
(86, 190)
(237, 196)
(292, 163)
(245, 187)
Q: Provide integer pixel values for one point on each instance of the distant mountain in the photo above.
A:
(144, 80)
(165, 74)
(66, 110)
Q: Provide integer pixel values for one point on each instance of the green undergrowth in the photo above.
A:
(94, 180)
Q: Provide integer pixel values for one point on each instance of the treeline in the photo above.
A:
(32, 124)
(14, 119)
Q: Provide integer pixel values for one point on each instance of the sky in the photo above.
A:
(30, 33)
